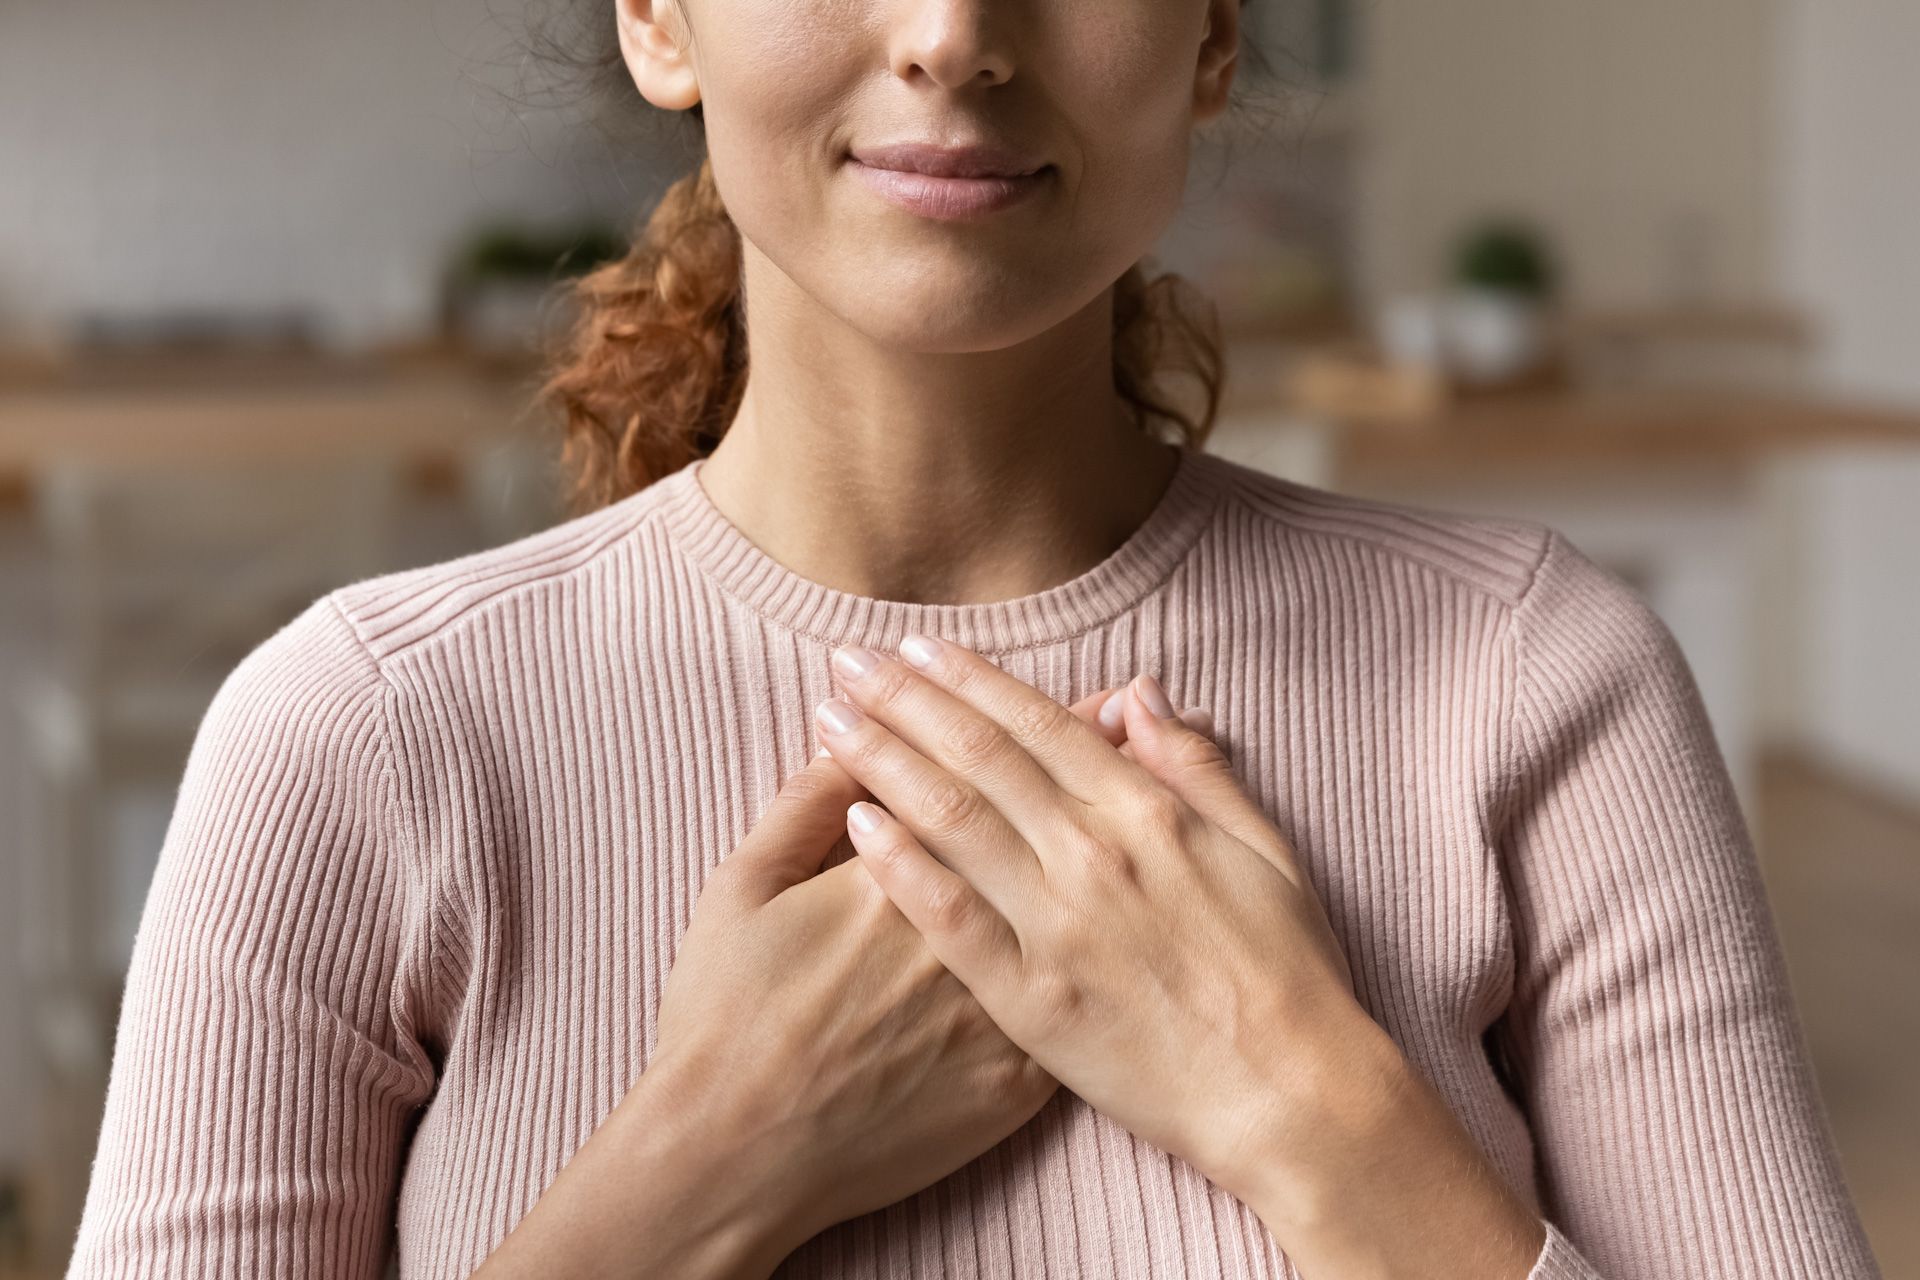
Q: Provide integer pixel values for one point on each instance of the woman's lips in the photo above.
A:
(949, 199)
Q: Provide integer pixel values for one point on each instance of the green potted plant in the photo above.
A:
(1504, 282)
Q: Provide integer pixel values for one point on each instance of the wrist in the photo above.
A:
(1376, 1177)
(664, 1187)
(1311, 1117)
(742, 1202)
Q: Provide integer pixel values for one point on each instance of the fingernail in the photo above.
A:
(855, 662)
(838, 716)
(863, 816)
(1154, 696)
(919, 650)
(1113, 710)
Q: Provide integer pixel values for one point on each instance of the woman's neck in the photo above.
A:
(943, 478)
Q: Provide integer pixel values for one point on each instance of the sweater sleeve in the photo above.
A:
(1651, 1034)
(265, 1072)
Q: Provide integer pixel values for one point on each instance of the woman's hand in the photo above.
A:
(1145, 934)
(851, 1058)
(814, 1061)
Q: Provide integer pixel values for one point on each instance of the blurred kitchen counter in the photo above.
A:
(1620, 429)
(1556, 426)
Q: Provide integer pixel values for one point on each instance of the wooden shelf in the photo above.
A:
(174, 409)
(1379, 417)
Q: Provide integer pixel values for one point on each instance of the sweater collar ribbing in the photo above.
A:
(1127, 576)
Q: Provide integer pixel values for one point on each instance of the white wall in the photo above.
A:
(213, 153)
(1637, 131)
(1850, 186)
(1850, 249)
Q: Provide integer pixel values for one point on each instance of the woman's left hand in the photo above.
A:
(1137, 925)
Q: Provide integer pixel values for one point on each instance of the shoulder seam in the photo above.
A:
(608, 543)
(1510, 764)
(360, 641)
(397, 812)
(1548, 536)
(1236, 492)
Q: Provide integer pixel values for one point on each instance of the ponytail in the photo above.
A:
(652, 368)
(654, 364)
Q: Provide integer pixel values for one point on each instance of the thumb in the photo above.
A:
(1094, 709)
(790, 842)
(1101, 709)
(1192, 765)
(1113, 724)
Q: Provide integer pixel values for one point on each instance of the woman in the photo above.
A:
(1455, 962)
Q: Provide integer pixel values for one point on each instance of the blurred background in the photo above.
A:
(271, 275)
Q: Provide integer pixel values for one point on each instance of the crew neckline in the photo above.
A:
(1131, 572)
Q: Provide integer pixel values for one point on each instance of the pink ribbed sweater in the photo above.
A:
(438, 837)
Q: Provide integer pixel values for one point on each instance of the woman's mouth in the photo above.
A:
(948, 183)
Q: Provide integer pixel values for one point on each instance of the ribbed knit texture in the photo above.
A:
(438, 838)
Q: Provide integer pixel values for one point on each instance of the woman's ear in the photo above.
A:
(1219, 56)
(654, 42)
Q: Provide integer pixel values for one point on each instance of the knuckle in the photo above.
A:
(1061, 1000)
(1197, 751)
(960, 678)
(972, 741)
(1109, 862)
(949, 806)
(865, 749)
(950, 906)
(1157, 812)
(806, 788)
(888, 851)
(1041, 720)
(888, 683)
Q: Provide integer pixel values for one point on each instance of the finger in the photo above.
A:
(1192, 715)
(1094, 710)
(1195, 768)
(1077, 756)
(1112, 722)
(961, 739)
(790, 842)
(961, 928)
(953, 820)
